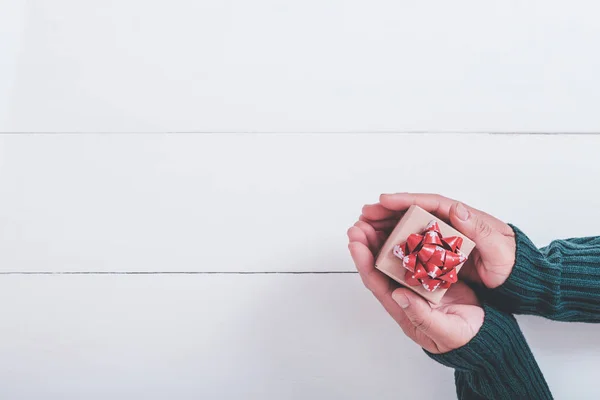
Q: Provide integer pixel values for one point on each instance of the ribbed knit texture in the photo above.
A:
(497, 363)
(560, 281)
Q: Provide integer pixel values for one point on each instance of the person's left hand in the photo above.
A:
(489, 264)
(438, 329)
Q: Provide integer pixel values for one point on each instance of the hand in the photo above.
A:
(493, 258)
(438, 329)
(459, 317)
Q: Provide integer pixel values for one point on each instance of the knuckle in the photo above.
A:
(366, 281)
(367, 228)
(438, 198)
(421, 323)
(483, 229)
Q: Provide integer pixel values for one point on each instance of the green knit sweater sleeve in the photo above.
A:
(560, 281)
(497, 363)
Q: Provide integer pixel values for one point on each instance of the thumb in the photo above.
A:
(476, 228)
(420, 314)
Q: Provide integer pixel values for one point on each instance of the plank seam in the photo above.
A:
(433, 132)
(175, 272)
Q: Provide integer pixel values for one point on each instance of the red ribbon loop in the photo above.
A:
(431, 259)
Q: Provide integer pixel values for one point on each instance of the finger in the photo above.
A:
(355, 234)
(436, 204)
(382, 237)
(406, 325)
(376, 212)
(386, 225)
(431, 322)
(382, 287)
(477, 228)
(373, 279)
(433, 203)
(372, 237)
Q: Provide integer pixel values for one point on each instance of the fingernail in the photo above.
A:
(461, 212)
(401, 299)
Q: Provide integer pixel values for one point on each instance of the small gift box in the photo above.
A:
(424, 254)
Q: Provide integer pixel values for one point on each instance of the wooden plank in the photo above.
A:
(225, 337)
(12, 26)
(265, 202)
(133, 65)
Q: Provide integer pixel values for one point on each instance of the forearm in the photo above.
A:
(560, 281)
(497, 363)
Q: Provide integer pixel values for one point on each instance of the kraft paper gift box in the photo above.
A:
(424, 253)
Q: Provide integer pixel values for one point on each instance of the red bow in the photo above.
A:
(430, 259)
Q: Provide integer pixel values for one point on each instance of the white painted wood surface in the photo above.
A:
(235, 337)
(258, 202)
(267, 65)
(264, 202)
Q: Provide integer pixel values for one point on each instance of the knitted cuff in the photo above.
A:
(497, 362)
(560, 281)
(533, 286)
(487, 347)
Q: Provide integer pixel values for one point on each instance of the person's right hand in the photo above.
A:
(493, 258)
(437, 328)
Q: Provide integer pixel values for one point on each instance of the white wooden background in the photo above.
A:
(176, 180)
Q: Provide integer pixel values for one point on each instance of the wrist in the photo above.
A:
(529, 281)
(489, 340)
(497, 354)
